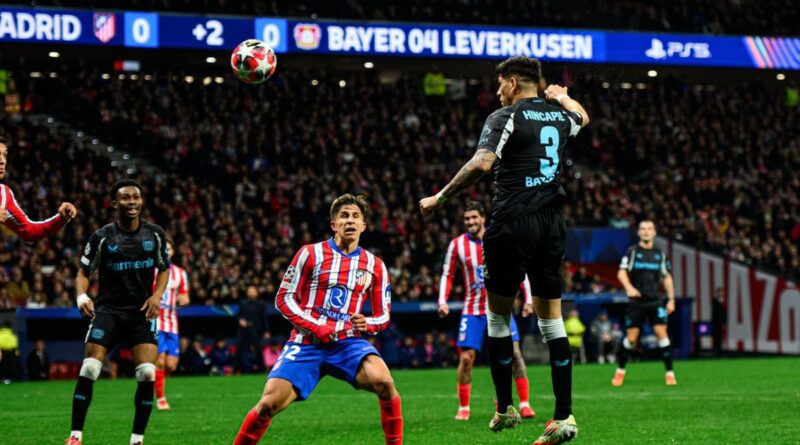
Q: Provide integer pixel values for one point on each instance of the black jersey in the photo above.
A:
(126, 263)
(646, 268)
(529, 139)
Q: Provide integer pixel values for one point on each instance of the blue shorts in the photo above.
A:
(473, 328)
(169, 343)
(304, 365)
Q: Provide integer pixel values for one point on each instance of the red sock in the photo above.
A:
(391, 421)
(253, 428)
(522, 389)
(464, 391)
(159, 383)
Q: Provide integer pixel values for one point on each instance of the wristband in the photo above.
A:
(441, 199)
(560, 97)
(83, 299)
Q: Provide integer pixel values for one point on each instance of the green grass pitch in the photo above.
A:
(747, 401)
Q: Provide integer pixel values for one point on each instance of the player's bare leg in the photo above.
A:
(628, 343)
(665, 349)
(521, 379)
(165, 366)
(92, 365)
(465, 364)
(374, 376)
(278, 394)
(562, 427)
(144, 357)
(501, 355)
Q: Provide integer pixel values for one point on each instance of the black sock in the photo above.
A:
(623, 355)
(143, 401)
(81, 401)
(561, 374)
(501, 356)
(666, 352)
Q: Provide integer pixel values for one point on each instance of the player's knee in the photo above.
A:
(91, 368)
(383, 387)
(268, 406)
(466, 360)
(146, 372)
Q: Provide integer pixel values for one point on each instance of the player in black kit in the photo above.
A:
(641, 272)
(125, 254)
(523, 143)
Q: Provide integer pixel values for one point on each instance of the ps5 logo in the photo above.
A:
(684, 50)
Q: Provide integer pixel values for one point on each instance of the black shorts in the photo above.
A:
(654, 312)
(533, 244)
(108, 330)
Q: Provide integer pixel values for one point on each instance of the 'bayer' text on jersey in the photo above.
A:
(528, 138)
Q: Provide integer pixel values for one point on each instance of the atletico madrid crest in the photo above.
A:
(105, 26)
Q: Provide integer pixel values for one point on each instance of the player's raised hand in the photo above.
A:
(444, 309)
(527, 310)
(67, 210)
(151, 307)
(553, 91)
(87, 309)
(632, 292)
(359, 322)
(429, 205)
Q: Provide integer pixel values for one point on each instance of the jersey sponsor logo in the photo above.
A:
(104, 26)
(338, 296)
(338, 316)
(148, 245)
(113, 248)
(647, 266)
(119, 266)
(98, 333)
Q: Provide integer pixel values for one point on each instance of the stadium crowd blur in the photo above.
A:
(245, 175)
(769, 17)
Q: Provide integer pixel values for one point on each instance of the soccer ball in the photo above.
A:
(253, 61)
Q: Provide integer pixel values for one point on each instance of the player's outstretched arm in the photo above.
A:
(17, 220)
(559, 94)
(480, 164)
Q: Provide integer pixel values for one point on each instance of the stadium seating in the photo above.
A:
(245, 175)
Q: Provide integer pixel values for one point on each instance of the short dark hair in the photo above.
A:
(3, 140)
(476, 207)
(348, 199)
(647, 220)
(124, 182)
(525, 68)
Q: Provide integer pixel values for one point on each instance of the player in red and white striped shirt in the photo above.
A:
(465, 253)
(169, 349)
(322, 294)
(12, 215)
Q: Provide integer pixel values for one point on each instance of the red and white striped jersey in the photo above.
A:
(325, 286)
(168, 314)
(466, 253)
(19, 223)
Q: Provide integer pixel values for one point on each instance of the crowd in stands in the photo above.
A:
(246, 175)
(769, 17)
